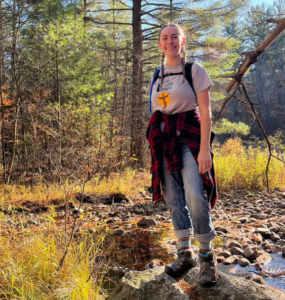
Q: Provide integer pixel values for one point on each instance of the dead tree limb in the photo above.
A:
(252, 56)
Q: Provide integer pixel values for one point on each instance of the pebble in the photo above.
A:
(283, 251)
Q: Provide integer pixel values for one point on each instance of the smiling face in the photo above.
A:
(171, 42)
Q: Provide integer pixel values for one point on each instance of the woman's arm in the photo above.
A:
(204, 157)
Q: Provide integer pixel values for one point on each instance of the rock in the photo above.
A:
(152, 284)
(247, 252)
(281, 229)
(110, 221)
(91, 230)
(281, 205)
(234, 244)
(281, 243)
(263, 257)
(243, 220)
(262, 226)
(146, 222)
(243, 262)
(273, 229)
(221, 229)
(259, 216)
(231, 260)
(220, 259)
(255, 278)
(119, 232)
(258, 238)
(274, 237)
(283, 251)
(264, 232)
(236, 251)
(231, 288)
(225, 254)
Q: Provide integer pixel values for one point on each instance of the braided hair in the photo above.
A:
(182, 53)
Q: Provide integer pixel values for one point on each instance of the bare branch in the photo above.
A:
(252, 57)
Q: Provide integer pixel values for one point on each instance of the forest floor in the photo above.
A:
(136, 234)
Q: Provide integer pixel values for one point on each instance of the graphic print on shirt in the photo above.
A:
(164, 99)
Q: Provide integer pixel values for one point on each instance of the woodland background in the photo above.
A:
(74, 74)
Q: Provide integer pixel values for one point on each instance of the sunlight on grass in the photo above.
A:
(29, 262)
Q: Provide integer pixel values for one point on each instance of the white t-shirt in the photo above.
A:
(174, 96)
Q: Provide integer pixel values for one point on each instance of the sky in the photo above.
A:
(255, 2)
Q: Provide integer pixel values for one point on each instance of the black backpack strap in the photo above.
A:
(188, 75)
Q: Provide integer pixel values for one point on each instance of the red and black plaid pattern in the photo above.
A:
(166, 143)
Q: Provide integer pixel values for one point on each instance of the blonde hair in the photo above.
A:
(182, 53)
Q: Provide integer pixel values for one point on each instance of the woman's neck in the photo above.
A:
(173, 61)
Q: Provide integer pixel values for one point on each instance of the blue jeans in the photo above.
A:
(184, 193)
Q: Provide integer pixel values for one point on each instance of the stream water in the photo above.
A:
(140, 248)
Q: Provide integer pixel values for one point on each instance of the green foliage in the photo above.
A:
(235, 129)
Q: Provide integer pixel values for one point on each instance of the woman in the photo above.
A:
(180, 136)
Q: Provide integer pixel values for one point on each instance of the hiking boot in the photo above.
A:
(185, 261)
(208, 269)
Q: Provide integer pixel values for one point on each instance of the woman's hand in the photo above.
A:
(205, 161)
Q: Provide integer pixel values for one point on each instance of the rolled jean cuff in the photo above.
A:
(205, 237)
(181, 233)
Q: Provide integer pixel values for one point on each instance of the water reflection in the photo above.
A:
(141, 248)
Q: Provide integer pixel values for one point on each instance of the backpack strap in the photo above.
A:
(155, 76)
(188, 75)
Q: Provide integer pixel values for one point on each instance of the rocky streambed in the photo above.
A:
(139, 234)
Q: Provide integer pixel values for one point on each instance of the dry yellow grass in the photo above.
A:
(236, 167)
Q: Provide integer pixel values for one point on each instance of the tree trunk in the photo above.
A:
(136, 116)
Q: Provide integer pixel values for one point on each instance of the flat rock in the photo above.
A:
(232, 288)
(231, 260)
(264, 232)
(281, 205)
(151, 284)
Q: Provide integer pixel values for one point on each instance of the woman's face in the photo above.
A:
(170, 41)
